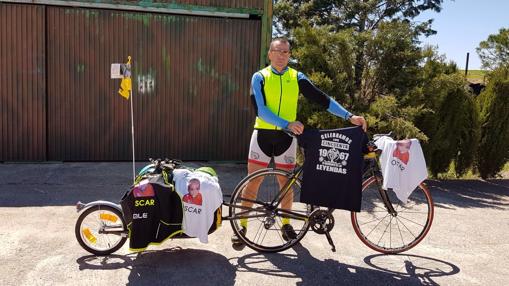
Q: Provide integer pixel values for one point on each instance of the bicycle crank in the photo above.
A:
(322, 222)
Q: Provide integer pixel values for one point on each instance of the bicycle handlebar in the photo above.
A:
(377, 136)
(160, 164)
(371, 144)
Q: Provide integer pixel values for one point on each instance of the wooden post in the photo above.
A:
(466, 65)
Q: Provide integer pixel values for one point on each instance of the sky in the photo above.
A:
(462, 25)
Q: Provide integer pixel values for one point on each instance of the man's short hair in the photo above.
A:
(280, 39)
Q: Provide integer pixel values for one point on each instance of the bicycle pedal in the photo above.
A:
(238, 246)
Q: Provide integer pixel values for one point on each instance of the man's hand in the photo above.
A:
(296, 127)
(359, 121)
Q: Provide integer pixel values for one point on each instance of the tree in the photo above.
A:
(493, 150)
(494, 52)
(453, 124)
(387, 115)
(361, 16)
(392, 61)
(327, 59)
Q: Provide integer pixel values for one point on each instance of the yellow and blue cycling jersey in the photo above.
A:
(275, 97)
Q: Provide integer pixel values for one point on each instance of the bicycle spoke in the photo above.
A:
(407, 228)
(258, 232)
(410, 220)
(377, 225)
(376, 219)
(382, 211)
(400, 233)
(385, 230)
(266, 231)
(412, 212)
(278, 232)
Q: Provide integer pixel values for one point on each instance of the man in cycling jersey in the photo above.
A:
(274, 92)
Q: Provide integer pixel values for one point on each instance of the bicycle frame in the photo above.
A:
(373, 170)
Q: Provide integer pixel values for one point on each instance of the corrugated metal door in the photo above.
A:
(22, 83)
(192, 77)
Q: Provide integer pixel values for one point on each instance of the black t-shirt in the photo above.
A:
(332, 174)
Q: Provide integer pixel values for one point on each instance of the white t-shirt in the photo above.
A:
(201, 195)
(403, 165)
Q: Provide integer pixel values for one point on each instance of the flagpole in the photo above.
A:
(132, 136)
(123, 71)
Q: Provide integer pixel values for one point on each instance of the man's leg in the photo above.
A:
(257, 160)
(251, 189)
(286, 162)
(287, 201)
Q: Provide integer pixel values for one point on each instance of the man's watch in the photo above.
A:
(349, 117)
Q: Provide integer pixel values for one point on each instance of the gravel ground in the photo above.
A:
(467, 244)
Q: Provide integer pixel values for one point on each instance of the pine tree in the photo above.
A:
(493, 149)
(453, 127)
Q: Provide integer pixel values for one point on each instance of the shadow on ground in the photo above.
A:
(470, 193)
(383, 270)
(64, 184)
(172, 266)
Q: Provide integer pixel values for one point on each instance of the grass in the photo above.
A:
(506, 167)
(476, 76)
(470, 174)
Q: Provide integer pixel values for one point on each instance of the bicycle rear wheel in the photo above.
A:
(263, 219)
(101, 230)
(390, 233)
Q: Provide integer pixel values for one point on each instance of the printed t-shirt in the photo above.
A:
(197, 218)
(332, 175)
(403, 165)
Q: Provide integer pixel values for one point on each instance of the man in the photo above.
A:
(274, 92)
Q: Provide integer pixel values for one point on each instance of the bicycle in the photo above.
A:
(102, 230)
(381, 212)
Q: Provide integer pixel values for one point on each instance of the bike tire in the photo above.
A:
(374, 225)
(267, 237)
(89, 223)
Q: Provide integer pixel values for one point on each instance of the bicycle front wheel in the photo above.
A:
(255, 208)
(101, 230)
(395, 232)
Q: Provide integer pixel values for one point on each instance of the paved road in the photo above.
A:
(467, 244)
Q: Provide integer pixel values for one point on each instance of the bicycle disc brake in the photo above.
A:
(322, 222)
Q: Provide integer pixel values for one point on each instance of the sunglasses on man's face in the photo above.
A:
(281, 52)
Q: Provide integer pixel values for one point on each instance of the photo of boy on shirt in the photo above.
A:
(194, 196)
(402, 150)
(142, 191)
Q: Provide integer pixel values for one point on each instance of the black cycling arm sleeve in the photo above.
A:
(311, 92)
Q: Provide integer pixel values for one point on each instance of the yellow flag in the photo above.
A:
(126, 84)
(125, 87)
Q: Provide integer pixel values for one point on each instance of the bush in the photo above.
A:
(493, 152)
(453, 127)
(386, 115)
